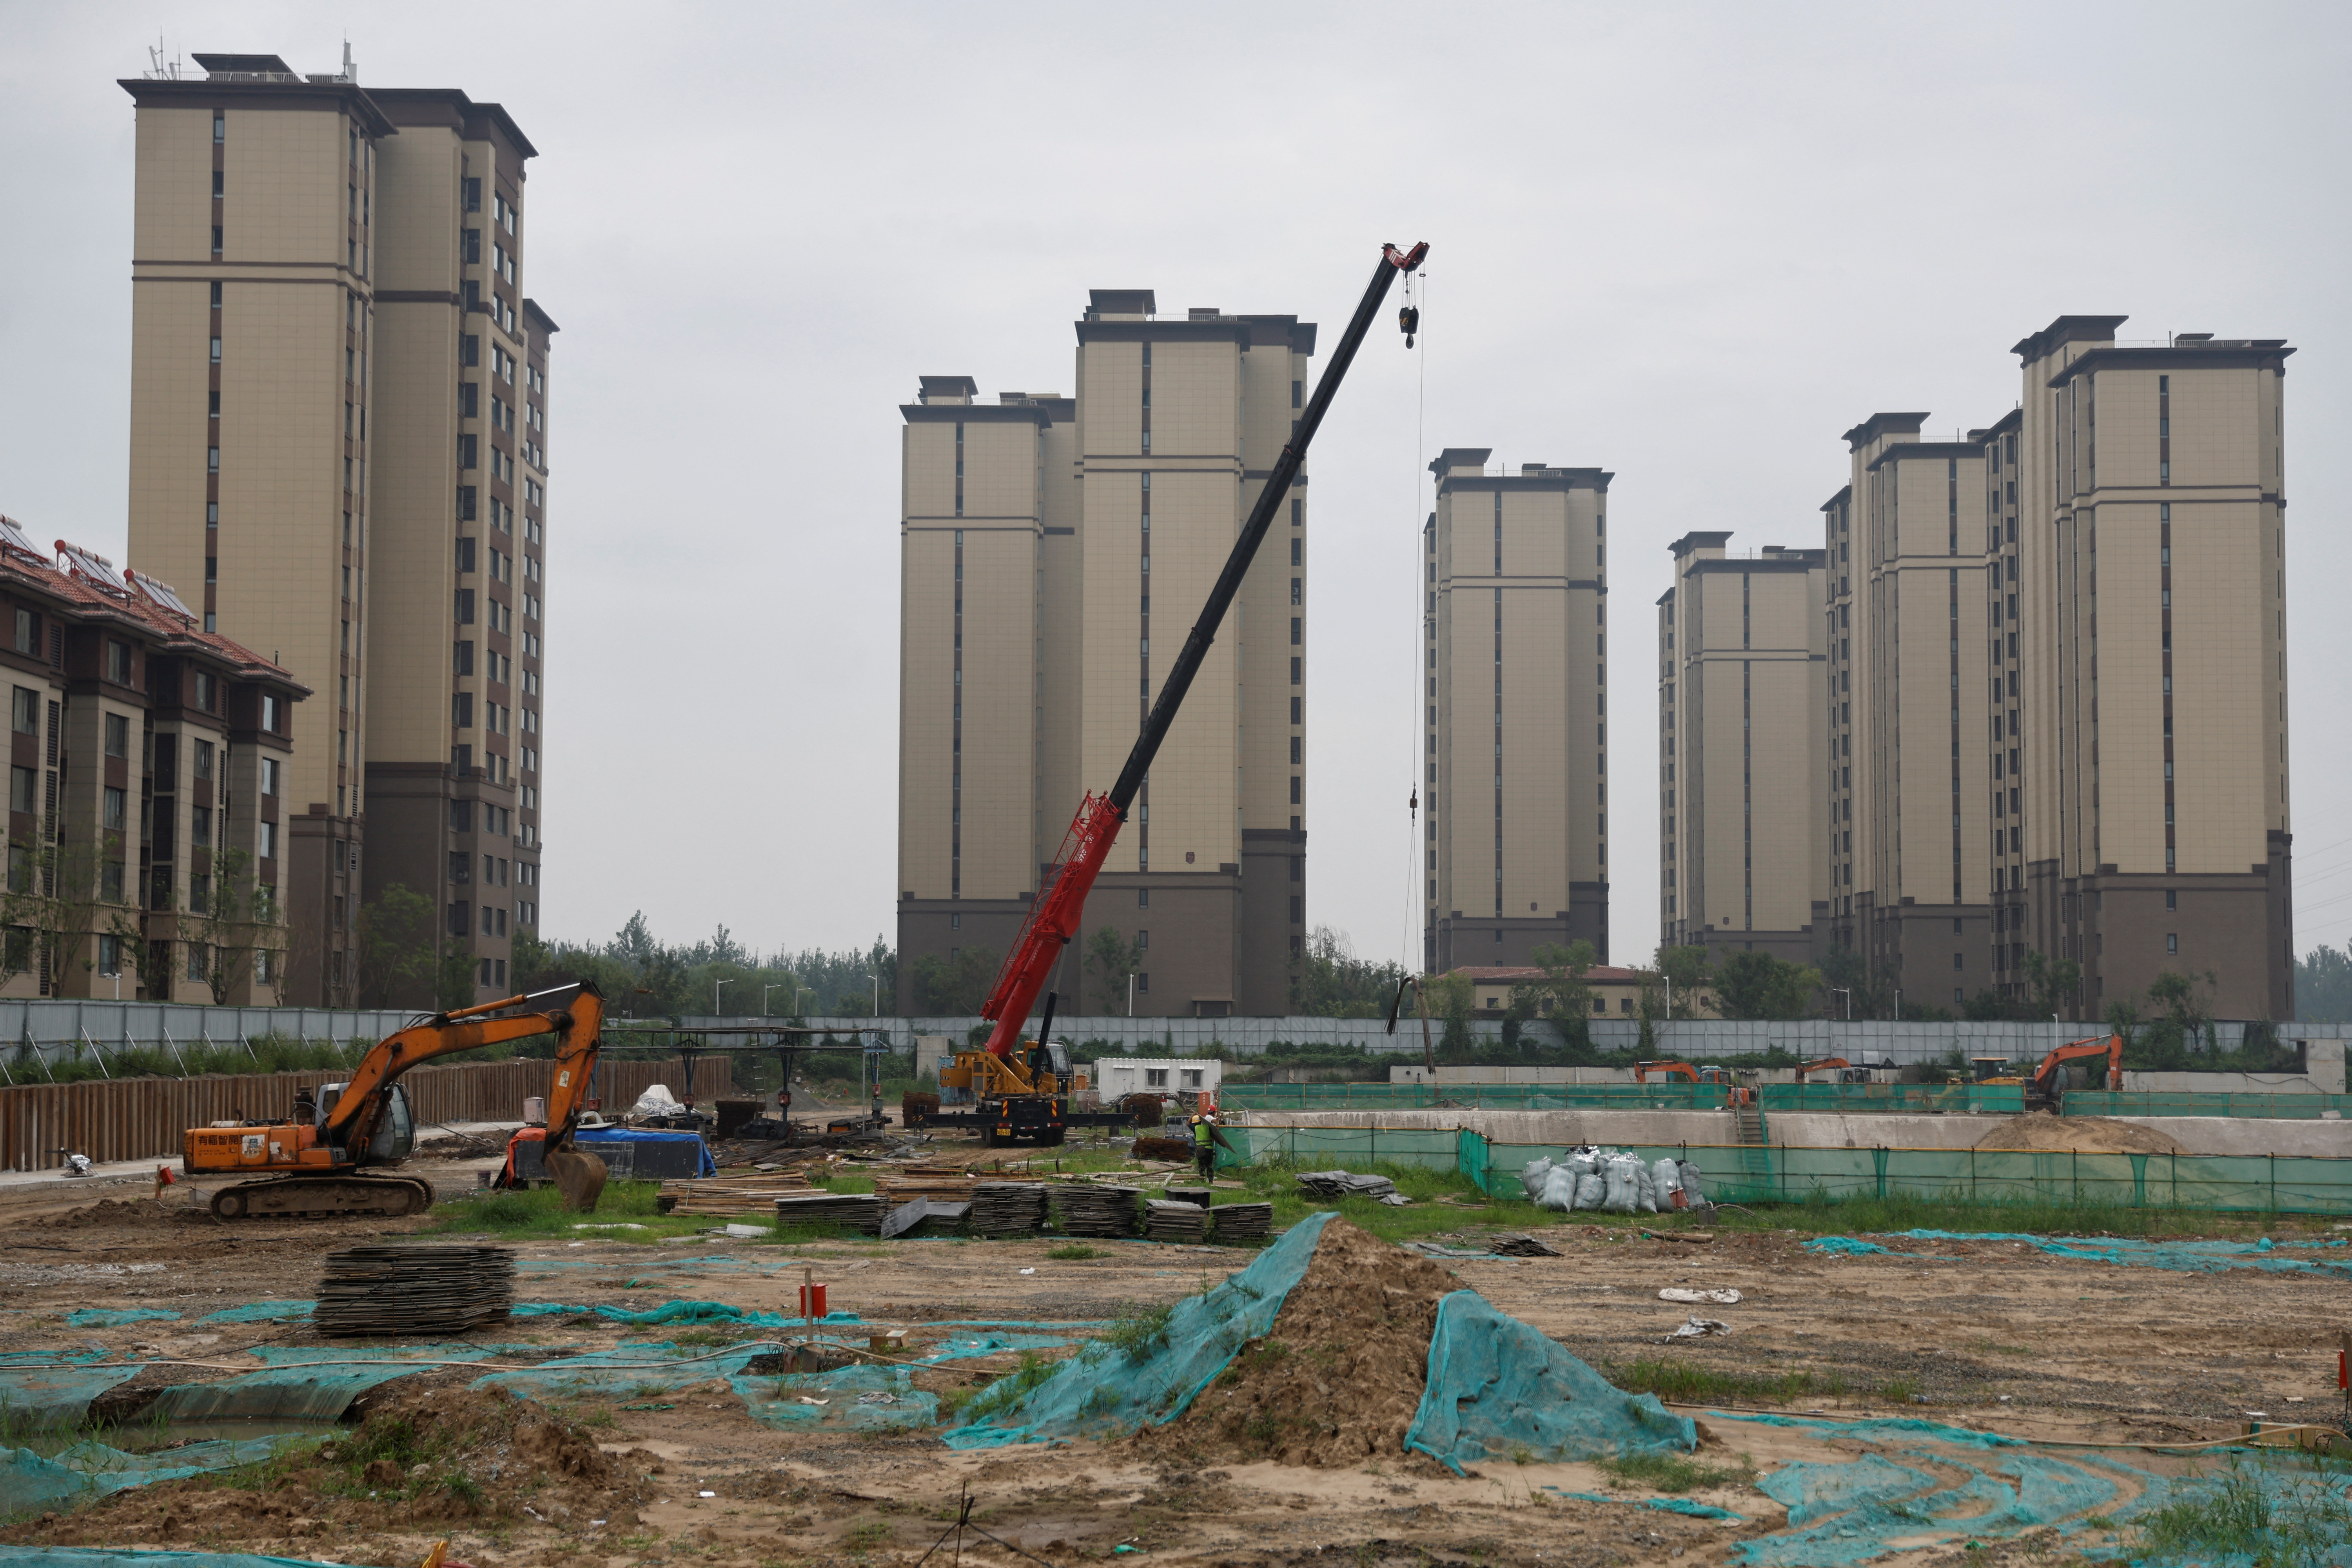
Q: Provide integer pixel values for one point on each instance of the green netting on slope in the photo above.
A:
(91, 1469)
(36, 1390)
(307, 1383)
(683, 1312)
(113, 1317)
(656, 1368)
(1497, 1387)
(1106, 1392)
(107, 1557)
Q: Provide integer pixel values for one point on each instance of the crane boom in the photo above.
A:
(1062, 895)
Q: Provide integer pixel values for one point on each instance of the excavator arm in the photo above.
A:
(576, 1024)
(2112, 1048)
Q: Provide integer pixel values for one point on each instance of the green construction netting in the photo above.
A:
(109, 1557)
(1919, 1483)
(260, 1312)
(1105, 1391)
(1666, 1095)
(90, 1470)
(2159, 1102)
(49, 1388)
(306, 1383)
(681, 1313)
(2188, 1257)
(113, 1317)
(1733, 1173)
(1496, 1386)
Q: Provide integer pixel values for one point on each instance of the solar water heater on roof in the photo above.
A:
(92, 568)
(162, 594)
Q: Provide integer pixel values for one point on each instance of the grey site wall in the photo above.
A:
(1695, 1038)
(61, 1028)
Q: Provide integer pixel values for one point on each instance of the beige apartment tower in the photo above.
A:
(328, 278)
(2150, 571)
(1742, 739)
(1037, 533)
(1515, 653)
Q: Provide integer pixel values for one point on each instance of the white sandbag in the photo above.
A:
(1590, 1190)
(656, 1101)
(1532, 1177)
(1667, 1177)
(1618, 1177)
(1694, 1185)
(1645, 1189)
(1559, 1190)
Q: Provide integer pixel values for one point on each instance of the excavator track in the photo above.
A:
(323, 1197)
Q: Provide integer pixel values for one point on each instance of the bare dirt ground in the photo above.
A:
(1971, 1333)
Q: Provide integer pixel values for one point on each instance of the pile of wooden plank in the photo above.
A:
(1095, 1211)
(1008, 1209)
(859, 1211)
(737, 1193)
(1167, 1220)
(1244, 1221)
(413, 1290)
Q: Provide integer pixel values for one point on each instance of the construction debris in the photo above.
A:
(1521, 1246)
(1699, 1298)
(749, 1192)
(1348, 1184)
(1698, 1329)
(414, 1289)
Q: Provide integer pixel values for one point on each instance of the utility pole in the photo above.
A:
(714, 994)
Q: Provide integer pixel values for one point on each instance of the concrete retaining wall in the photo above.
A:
(2196, 1135)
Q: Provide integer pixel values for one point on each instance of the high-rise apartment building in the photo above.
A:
(2151, 570)
(1909, 857)
(1516, 735)
(1742, 738)
(1038, 533)
(2012, 792)
(328, 277)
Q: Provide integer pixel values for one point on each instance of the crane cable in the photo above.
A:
(1419, 448)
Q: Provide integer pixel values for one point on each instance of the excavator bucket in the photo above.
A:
(579, 1177)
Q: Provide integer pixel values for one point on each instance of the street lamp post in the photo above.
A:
(714, 994)
(797, 993)
(763, 999)
(877, 994)
(1846, 992)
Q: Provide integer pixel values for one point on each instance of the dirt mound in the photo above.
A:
(1149, 1148)
(112, 1211)
(428, 1459)
(1338, 1377)
(2084, 1134)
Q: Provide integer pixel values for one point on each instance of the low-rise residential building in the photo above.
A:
(147, 772)
(1616, 993)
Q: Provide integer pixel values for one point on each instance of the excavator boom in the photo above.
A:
(1061, 899)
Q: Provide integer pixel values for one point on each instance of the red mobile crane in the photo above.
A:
(1061, 899)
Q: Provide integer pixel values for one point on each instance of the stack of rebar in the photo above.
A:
(414, 1289)
(1244, 1221)
(1007, 1208)
(1164, 1220)
(858, 1211)
(1085, 1209)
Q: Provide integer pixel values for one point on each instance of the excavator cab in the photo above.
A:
(396, 1133)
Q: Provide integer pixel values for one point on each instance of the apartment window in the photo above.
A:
(204, 696)
(2171, 898)
(1297, 626)
(473, 194)
(469, 350)
(267, 848)
(216, 239)
(465, 607)
(463, 657)
(2172, 942)
(200, 822)
(1142, 898)
(25, 711)
(28, 633)
(220, 126)
(269, 775)
(117, 728)
(461, 865)
(472, 247)
(199, 958)
(469, 453)
(466, 501)
(460, 918)
(117, 662)
(23, 790)
(461, 711)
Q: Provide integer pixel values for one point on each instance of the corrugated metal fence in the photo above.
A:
(143, 1118)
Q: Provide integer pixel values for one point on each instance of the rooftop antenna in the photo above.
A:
(351, 68)
(157, 67)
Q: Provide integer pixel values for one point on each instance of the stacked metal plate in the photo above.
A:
(1007, 1208)
(858, 1211)
(1244, 1221)
(1164, 1220)
(1088, 1210)
(413, 1290)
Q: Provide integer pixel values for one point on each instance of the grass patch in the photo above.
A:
(1139, 1330)
(538, 1214)
(1076, 1252)
(998, 1397)
(1899, 1390)
(1688, 1383)
(1676, 1472)
(2292, 1512)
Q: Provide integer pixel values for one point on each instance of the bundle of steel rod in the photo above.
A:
(413, 1290)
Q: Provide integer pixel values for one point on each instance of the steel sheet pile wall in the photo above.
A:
(143, 1118)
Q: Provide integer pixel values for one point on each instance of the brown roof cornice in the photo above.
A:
(2068, 330)
(2196, 357)
(196, 92)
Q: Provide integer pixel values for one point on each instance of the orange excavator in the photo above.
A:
(1846, 1071)
(2043, 1091)
(328, 1159)
(1642, 1071)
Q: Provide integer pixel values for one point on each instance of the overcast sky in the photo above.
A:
(1688, 244)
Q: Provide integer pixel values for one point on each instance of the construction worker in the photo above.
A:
(1206, 1136)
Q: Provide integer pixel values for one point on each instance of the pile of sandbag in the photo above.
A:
(1612, 1181)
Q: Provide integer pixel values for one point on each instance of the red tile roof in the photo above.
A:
(95, 600)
